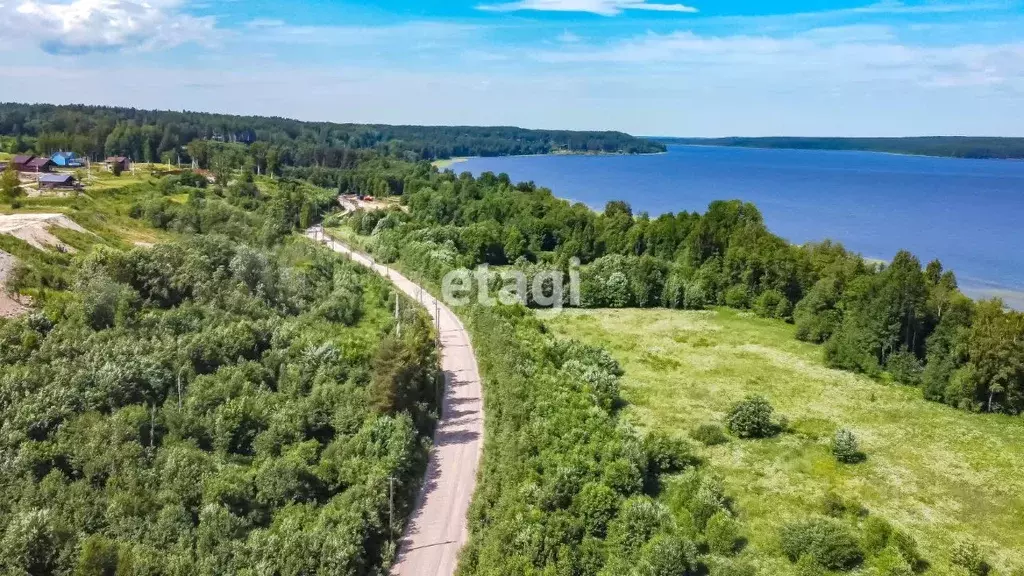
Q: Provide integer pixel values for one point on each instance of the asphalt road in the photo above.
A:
(437, 530)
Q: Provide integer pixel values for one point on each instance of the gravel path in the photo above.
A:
(437, 530)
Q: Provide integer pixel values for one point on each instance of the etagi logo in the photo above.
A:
(546, 290)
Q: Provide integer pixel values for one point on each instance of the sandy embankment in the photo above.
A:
(34, 229)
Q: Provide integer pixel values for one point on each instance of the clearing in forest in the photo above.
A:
(939, 473)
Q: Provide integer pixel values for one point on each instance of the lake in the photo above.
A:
(967, 213)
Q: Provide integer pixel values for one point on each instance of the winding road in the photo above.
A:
(438, 528)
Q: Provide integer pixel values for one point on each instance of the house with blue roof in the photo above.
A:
(66, 160)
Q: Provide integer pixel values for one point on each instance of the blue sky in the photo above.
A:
(653, 67)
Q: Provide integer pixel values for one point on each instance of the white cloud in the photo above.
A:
(395, 36)
(103, 25)
(897, 7)
(601, 7)
(858, 57)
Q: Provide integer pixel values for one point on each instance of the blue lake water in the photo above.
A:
(967, 213)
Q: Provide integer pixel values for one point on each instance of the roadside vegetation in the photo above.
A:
(231, 400)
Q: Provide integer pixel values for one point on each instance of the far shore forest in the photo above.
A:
(260, 399)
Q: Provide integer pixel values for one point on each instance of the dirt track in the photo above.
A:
(438, 530)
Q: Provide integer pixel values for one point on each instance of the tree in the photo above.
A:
(996, 350)
(752, 418)
(10, 185)
(845, 447)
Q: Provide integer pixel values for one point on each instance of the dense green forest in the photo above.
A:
(953, 146)
(232, 402)
(162, 136)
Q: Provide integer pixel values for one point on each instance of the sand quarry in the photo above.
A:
(35, 230)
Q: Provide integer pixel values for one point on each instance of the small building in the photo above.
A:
(56, 181)
(23, 163)
(66, 160)
(39, 164)
(121, 161)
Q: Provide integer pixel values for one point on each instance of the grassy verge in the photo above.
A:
(938, 473)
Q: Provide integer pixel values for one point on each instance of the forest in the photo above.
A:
(234, 401)
(950, 146)
(161, 136)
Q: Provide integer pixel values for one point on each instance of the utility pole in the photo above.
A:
(391, 508)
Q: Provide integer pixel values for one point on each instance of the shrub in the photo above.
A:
(833, 505)
(772, 304)
(709, 435)
(707, 501)
(638, 520)
(722, 534)
(827, 541)
(845, 447)
(967, 554)
(890, 562)
(668, 555)
(905, 368)
(596, 505)
(666, 454)
(752, 418)
(737, 297)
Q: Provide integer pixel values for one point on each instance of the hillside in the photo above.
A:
(158, 135)
(197, 389)
(951, 146)
(938, 474)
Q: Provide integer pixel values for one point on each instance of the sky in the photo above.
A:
(647, 67)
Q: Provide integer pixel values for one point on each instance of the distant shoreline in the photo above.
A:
(955, 147)
(447, 163)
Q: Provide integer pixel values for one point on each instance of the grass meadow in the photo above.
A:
(938, 473)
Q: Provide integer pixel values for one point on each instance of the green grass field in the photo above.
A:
(939, 473)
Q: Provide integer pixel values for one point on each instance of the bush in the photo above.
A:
(596, 505)
(752, 418)
(639, 519)
(967, 554)
(845, 447)
(668, 555)
(829, 542)
(773, 304)
(666, 454)
(709, 435)
(905, 368)
(722, 534)
(737, 297)
(833, 505)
